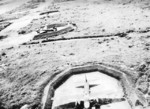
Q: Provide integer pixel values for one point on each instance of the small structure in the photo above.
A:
(49, 31)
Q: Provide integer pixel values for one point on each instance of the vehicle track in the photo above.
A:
(54, 39)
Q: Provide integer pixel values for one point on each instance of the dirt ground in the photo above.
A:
(25, 68)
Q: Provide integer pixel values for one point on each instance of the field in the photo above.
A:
(115, 32)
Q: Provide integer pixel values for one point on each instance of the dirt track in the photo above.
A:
(30, 65)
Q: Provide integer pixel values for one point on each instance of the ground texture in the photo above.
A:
(113, 32)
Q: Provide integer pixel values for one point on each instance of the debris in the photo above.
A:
(130, 46)
(121, 34)
(142, 84)
(3, 25)
(3, 54)
(103, 30)
(143, 87)
(142, 67)
(22, 32)
(139, 107)
(71, 54)
(3, 37)
(25, 107)
(48, 12)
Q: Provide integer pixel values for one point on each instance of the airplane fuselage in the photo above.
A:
(86, 95)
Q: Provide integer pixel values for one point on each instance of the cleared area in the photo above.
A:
(106, 87)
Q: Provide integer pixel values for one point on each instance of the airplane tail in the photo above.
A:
(86, 79)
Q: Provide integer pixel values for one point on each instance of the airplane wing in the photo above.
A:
(105, 101)
(77, 98)
(95, 99)
(93, 102)
(99, 102)
(71, 105)
(80, 87)
(91, 85)
(65, 106)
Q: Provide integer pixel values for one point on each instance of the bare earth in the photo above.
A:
(27, 67)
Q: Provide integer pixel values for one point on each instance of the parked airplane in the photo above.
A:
(86, 94)
(88, 101)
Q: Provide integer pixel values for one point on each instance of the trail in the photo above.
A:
(10, 5)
